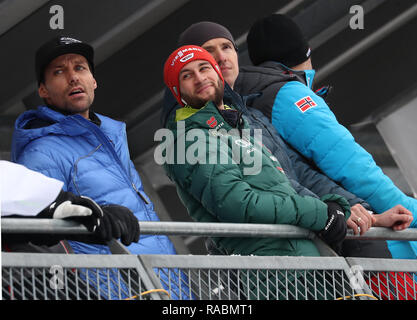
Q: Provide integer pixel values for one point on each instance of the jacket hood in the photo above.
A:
(306, 76)
(258, 78)
(169, 105)
(205, 118)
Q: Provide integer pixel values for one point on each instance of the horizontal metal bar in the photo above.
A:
(225, 229)
(39, 226)
(284, 10)
(41, 260)
(243, 262)
(385, 234)
(214, 229)
(398, 265)
(366, 43)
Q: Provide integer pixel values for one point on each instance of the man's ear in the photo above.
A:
(42, 91)
(95, 83)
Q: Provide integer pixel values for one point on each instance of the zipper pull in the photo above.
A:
(140, 194)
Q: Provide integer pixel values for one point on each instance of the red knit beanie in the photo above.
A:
(178, 59)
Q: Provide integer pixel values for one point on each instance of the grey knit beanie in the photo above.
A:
(201, 32)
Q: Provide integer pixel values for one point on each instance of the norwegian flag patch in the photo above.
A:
(305, 103)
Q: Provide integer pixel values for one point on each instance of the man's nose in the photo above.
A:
(199, 77)
(72, 76)
(219, 56)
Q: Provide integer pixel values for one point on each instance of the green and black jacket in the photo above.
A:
(229, 191)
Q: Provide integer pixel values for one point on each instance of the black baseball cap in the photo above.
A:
(58, 46)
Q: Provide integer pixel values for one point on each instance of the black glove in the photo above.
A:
(232, 117)
(335, 230)
(78, 208)
(118, 222)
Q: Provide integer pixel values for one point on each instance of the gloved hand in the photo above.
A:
(232, 117)
(118, 222)
(335, 229)
(78, 208)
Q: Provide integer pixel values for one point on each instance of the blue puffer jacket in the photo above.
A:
(91, 160)
(305, 121)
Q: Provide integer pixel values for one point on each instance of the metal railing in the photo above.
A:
(56, 276)
(55, 226)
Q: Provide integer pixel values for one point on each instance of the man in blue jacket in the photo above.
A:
(303, 175)
(283, 73)
(64, 139)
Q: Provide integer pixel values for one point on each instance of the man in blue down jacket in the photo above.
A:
(305, 178)
(87, 151)
(283, 73)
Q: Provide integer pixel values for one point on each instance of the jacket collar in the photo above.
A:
(93, 117)
(306, 75)
(43, 121)
(230, 98)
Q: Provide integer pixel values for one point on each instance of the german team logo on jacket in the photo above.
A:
(212, 122)
(305, 103)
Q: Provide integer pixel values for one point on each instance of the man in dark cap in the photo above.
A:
(66, 140)
(283, 73)
(219, 42)
(65, 73)
(292, 48)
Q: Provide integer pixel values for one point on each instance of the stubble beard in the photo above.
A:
(69, 108)
(198, 103)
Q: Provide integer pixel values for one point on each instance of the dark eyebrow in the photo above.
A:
(56, 66)
(76, 62)
(184, 70)
(80, 62)
(203, 63)
(228, 42)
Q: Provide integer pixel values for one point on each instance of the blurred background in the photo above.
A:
(372, 70)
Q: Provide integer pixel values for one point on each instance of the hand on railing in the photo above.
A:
(360, 219)
(120, 223)
(397, 218)
(69, 206)
(335, 229)
(103, 222)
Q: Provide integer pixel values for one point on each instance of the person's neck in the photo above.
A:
(220, 106)
(85, 114)
(306, 65)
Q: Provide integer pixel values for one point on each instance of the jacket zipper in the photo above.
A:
(140, 194)
(116, 157)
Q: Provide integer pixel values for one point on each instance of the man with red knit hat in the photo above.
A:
(187, 63)
(222, 191)
(215, 182)
(304, 178)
